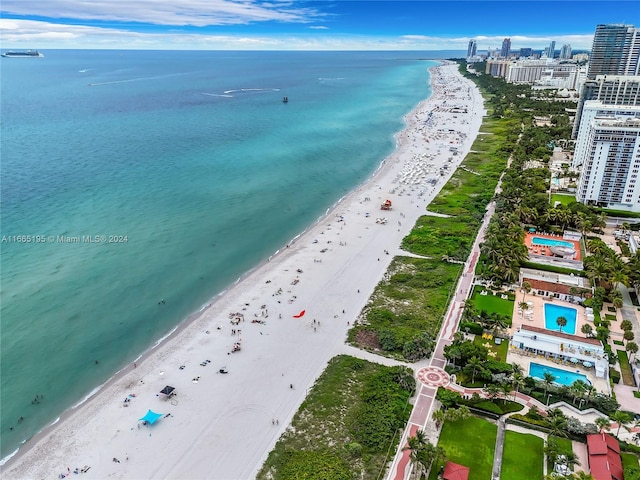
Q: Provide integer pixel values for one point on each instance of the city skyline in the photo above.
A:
(296, 25)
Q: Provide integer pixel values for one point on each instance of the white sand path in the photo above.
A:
(221, 427)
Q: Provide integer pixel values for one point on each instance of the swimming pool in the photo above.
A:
(552, 312)
(549, 242)
(562, 377)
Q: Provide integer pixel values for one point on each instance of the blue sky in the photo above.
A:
(305, 25)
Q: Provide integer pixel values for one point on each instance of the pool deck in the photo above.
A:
(534, 316)
(545, 250)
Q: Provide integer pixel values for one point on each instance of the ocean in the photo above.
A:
(137, 185)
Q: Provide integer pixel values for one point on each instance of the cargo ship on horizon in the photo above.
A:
(22, 54)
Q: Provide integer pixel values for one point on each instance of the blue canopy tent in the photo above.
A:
(151, 417)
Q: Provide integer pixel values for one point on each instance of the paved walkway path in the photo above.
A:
(425, 401)
(433, 375)
(497, 456)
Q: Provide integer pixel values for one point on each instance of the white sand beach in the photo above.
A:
(222, 426)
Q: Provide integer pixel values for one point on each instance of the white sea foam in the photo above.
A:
(162, 339)
(252, 90)
(88, 396)
(54, 422)
(217, 95)
(10, 456)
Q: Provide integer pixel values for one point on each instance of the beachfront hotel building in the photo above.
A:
(498, 68)
(569, 288)
(546, 72)
(610, 90)
(608, 152)
(615, 51)
(560, 347)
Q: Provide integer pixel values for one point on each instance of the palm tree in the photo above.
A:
(626, 325)
(548, 379)
(492, 391)
(603, 423)
(423, 453)
(587, 330)
(632, 347)
(438, 417)
(516, 368)
(524, 306)
(557, 426)
(561, 321)
(551, 449)
(525, 288)
(569, 459)
(579, 387)
(621, 418)
(474, 364)
(517, 382)
(580, 475)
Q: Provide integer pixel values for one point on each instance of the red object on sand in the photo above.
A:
(300, 314)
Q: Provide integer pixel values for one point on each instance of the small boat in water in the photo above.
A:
(22, 54)
(285, 100)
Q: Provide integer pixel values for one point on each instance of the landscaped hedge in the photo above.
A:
(498, 407)
(614, 375)
(473, 327)
(553, 269)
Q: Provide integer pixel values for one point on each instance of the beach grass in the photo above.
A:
(523, 456)
(470, 442)
(437, 237)
(346, 425)
(411, 299)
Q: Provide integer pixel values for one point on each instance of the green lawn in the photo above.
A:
(630, 466)
(625, 368)
(523, 457)
(565, 446)
(471, 443)
(500, 350)
(562, 198)
(491, 303)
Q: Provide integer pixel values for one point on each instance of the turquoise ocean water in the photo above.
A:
(192, 164)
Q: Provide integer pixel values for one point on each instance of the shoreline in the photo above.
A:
(159, 364)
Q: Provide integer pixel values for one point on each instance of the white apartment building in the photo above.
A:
(546, 72)
(608, 152)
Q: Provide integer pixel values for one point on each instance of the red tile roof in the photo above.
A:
(575, 338)
(604, 457)
(453, 471)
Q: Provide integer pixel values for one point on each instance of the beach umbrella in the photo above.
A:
(587, 364)
(573, 360)
(300, 315)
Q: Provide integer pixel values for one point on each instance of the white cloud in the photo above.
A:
(17, 33)
(319, 27)
(198, 13)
